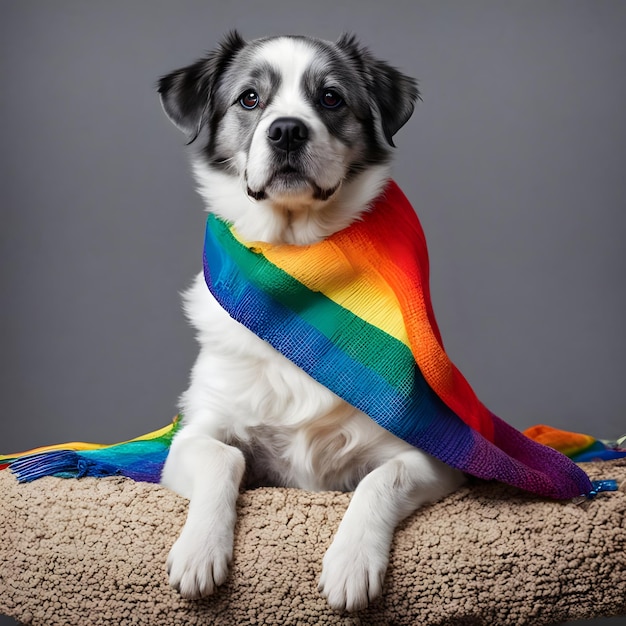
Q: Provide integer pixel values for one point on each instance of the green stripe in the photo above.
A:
(362, 341)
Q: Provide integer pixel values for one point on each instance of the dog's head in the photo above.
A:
(289, 129)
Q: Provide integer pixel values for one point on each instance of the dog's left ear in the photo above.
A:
(186, 93)
(393, 93)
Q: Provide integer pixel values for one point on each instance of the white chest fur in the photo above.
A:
(294, 431)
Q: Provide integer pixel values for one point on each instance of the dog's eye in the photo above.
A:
(331, 99)
(249, 99)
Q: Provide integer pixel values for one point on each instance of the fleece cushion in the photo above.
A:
(92, 551)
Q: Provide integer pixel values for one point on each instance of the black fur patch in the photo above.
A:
(187, 93)
(393, 92)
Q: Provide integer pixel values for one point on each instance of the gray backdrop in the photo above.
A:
(515, 162)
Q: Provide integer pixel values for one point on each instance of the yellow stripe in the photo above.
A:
(349, 282)
(81, 446)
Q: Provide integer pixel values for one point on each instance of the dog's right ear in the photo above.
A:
(186, 93)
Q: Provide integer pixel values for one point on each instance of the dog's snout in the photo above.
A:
(288, 133)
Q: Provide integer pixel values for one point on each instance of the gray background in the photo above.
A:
(515, 162)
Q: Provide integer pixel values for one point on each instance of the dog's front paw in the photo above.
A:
(197, 565)
(353, 571)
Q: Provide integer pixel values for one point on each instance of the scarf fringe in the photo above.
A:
(141, 459)
(61, 463)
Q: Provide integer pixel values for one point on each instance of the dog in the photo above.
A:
(291, 140)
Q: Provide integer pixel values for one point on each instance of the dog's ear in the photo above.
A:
(393, 93)
(186, 93)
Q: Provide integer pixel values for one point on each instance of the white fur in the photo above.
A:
(329, 166)
(262, 220)
(244, 395)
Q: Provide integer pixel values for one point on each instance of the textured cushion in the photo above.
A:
(92, 551)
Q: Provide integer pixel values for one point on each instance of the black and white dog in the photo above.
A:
(291, 143)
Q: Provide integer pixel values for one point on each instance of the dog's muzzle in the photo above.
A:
(288, 136)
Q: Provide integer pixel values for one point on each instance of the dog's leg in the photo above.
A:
(209, 473)
(355, 564)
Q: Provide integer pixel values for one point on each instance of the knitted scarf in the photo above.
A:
(141, 459)
(354, 312)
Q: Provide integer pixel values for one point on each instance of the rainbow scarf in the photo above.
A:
(354, 312)
(579, 447)
(141, 459)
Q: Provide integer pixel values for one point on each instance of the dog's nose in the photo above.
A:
(288, 133)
